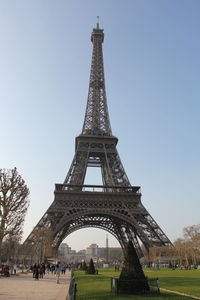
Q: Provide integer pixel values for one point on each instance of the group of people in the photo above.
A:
(39, 270)
(51, 268)
(5, 270)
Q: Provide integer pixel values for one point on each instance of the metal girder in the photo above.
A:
(101, 152)
(120, 213)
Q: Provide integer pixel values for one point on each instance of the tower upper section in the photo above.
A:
(96, 120)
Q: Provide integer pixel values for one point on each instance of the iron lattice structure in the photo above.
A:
(114, 206)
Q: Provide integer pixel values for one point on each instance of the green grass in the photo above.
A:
(184, 281)
(97, 287)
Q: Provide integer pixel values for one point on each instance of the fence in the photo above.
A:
(154, 285)
(117, 284)
(152, 282)
(72, 289)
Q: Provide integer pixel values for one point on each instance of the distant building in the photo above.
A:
(92, 250)
(98, 254)
(64, 249)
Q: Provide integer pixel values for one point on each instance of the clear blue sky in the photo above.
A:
(152, 70)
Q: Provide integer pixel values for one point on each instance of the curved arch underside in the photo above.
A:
(121, 214)
(119, 228)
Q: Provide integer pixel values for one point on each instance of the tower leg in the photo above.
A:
(132, 279)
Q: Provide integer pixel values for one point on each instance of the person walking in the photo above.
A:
(41, 270)
(15, 268)
(34, 270)
(37, 271)
(57, 271)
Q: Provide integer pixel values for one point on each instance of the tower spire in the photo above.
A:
(107, 251)
(96, 120)
(97, 22)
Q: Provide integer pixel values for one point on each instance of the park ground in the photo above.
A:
(174, 284)
(24, 287)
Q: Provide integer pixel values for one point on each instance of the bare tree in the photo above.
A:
(188, 247)
(39, 248)
(192, 238)
(186, 250)
(10, 249)
(192, 232)
(13, 204)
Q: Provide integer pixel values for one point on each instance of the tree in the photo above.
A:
(192, 238)
(163, 254)
(192, 232)
(91, 268)
(188, 247)
(84, 266)
(40, 245)
(10, 249)
(13, 204)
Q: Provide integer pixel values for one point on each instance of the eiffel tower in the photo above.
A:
(114, 206)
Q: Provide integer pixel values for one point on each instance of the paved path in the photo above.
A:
(179, 293)
(25, 287)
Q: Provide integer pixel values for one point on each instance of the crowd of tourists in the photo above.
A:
(39, 270)
(6, 269)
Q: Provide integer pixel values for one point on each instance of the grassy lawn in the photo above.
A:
(97, 287)
(185, 281)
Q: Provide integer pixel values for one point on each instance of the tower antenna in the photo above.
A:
(97, 22)
(107, 256)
